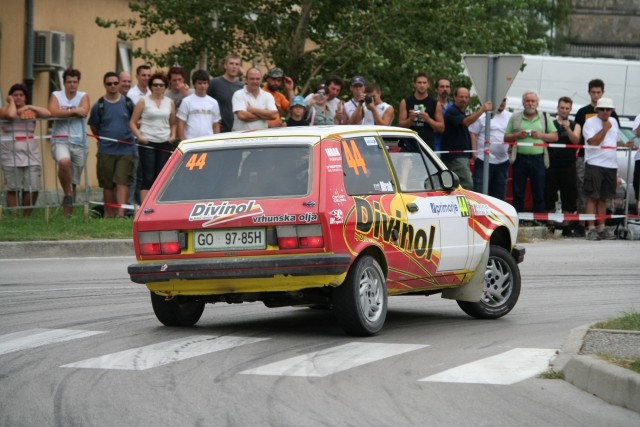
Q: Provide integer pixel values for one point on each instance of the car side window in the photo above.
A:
(414, 169)
(365, 167)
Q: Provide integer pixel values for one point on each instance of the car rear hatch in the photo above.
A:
(253, 204)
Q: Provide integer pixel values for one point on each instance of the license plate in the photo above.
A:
(231, 239)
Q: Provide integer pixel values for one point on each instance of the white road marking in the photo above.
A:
(154, 355)
(333, 360)
(33, 338)
(503, 369)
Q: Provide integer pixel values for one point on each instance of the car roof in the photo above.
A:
(284, 135)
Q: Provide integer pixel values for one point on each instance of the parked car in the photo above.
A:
(330, 216)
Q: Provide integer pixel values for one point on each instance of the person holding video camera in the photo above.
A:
(354, 108)
(531, 127)
(378, 112)
(319, 112)
(421, 112)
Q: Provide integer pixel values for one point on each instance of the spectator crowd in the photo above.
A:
(138, 126)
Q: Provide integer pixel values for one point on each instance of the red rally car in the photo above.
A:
(333, 216)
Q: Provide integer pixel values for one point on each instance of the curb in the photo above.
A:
(611, 383)
(67, 248)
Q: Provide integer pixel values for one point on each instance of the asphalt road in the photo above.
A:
(79, 345)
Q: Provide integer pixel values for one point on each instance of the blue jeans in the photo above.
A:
(532, 167)
(497, 178)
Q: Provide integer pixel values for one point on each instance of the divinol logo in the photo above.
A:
(223, 212)
(374, 221)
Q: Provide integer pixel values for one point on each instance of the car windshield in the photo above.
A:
(240, 173)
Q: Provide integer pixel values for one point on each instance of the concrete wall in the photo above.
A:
(595, 24)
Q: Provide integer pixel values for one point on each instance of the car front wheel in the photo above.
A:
(178, 311)
(501, 287)
(360, 303)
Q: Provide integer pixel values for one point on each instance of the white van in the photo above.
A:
(555, 76)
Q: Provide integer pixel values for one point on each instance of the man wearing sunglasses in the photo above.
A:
(109, 123)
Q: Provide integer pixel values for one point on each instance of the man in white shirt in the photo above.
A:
(198, 114)
(600, 134)
(252, 106)
(499, 152)
(143, 73)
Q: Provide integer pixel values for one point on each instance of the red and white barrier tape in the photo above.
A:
(559, 217)
(114, 205)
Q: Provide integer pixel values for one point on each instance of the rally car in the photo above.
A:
(327, 216)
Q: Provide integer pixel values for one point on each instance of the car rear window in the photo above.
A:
(240, 173)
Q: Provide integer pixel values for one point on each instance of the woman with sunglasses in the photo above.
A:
(153, 123)
(21, 161)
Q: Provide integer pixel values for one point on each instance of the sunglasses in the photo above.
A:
(158, 84)
(111, 84)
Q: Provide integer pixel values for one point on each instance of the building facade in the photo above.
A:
(66, 35)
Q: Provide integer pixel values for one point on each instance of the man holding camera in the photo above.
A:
(422, 112)
(354, 108)
(529, 126)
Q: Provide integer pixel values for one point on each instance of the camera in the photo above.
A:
(528, 132)
(368, 99)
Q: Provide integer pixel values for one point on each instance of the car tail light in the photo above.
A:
(300, 236)
(160, 242)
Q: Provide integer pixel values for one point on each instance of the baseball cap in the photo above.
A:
(275, 73)
(357, 80)
(605, 103)
(297, 100)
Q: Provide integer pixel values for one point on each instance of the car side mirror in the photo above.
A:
(449, 180)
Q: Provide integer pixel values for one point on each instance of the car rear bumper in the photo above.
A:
(239, 268)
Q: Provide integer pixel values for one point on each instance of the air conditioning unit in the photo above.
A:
(53, 49)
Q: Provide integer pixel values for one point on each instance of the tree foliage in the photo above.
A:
(385, 41)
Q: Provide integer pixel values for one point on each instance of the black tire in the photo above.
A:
(360, 303)
(501, 287)
(179, 311)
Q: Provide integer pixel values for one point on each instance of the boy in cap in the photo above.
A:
(600, 134)
(297, 112)
(274, 82)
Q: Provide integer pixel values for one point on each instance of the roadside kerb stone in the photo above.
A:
(67, 248)
(611, 383)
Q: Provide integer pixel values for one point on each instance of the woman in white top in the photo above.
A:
(153, 123)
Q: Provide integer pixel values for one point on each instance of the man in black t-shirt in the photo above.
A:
(421, 112)
(561, 175)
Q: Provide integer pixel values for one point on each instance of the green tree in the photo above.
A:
(385, 41)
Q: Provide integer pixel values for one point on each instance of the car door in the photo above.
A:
(446, 215)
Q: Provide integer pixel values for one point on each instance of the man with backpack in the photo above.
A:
(530, 161)
(109, 123)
